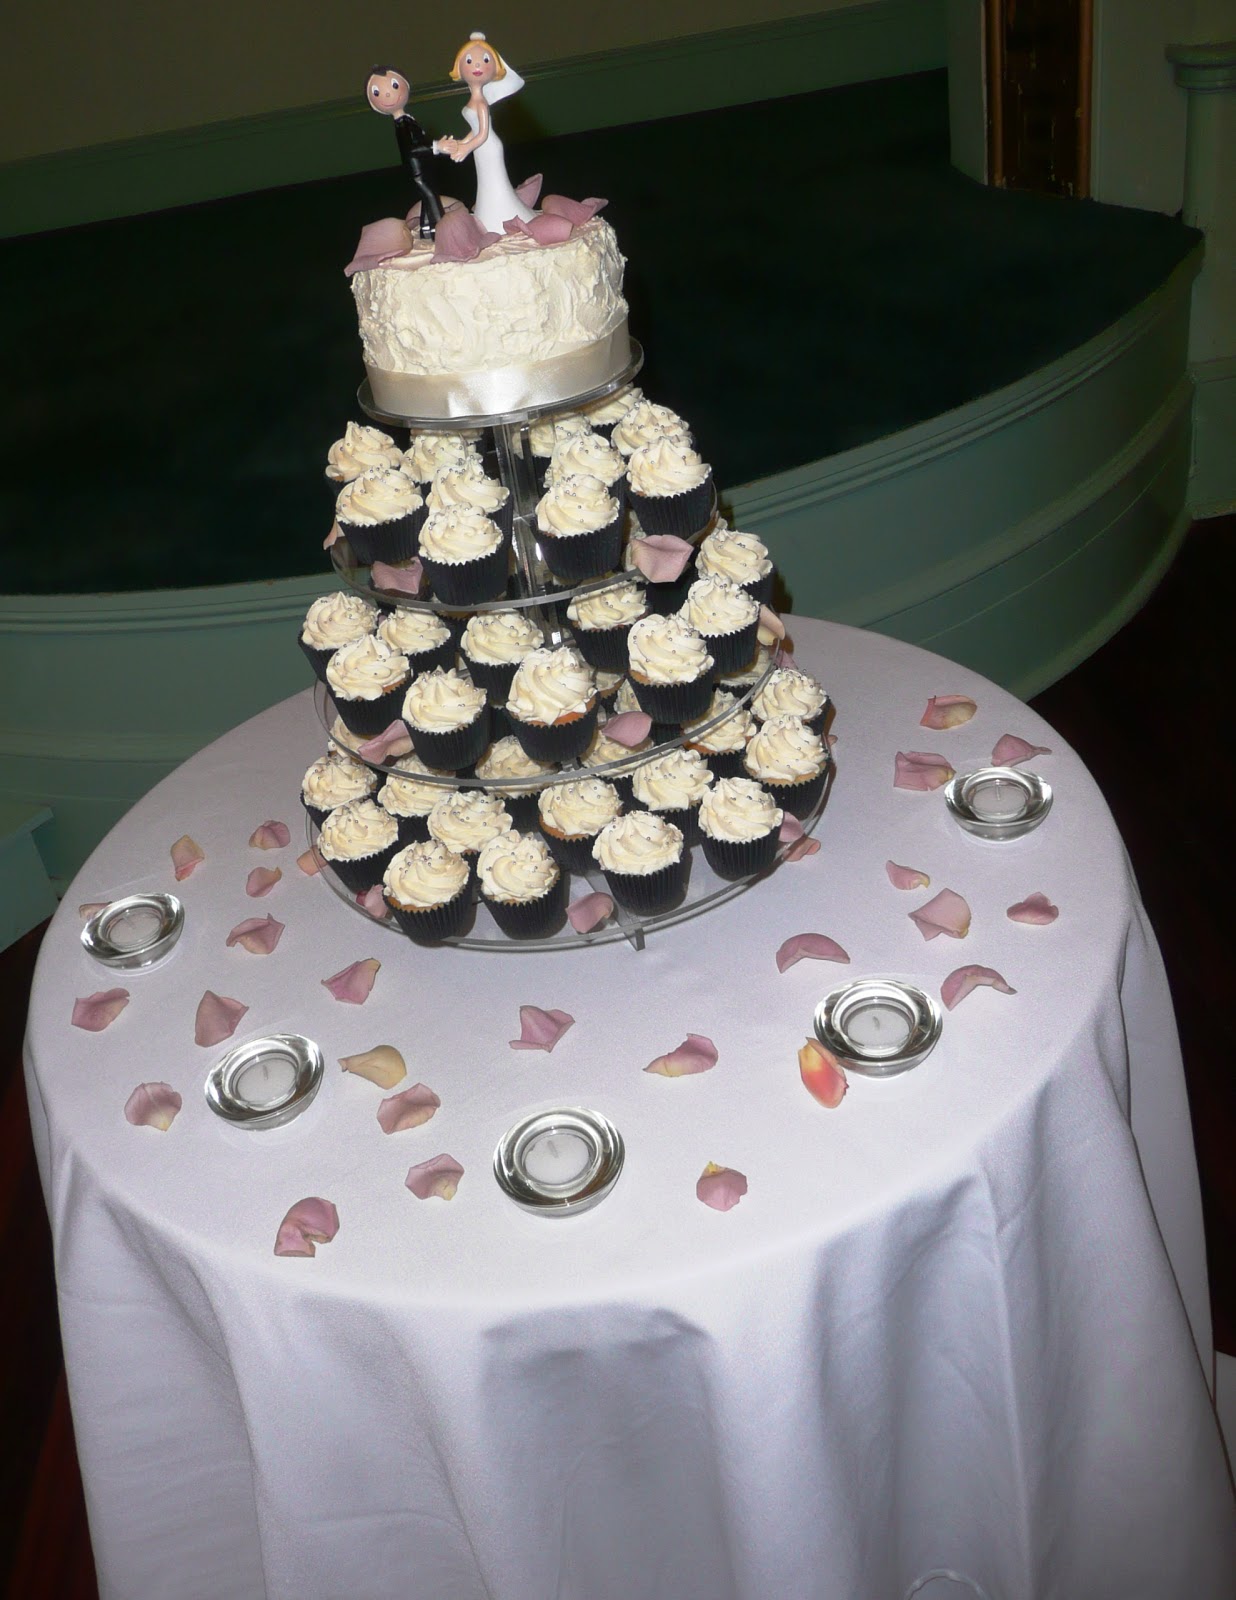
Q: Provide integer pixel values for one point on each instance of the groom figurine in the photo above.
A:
(387, 92)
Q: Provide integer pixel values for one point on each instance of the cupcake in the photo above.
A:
(761, 663)
(604, 415)
(333, 620)
(642, 858)
(601, 755)
(787, 692)
(726, 617)
(608, 685)
(601, 621)
(741, 557)
(588, 455)
(672, 785)
(448, 719)
(465, 556)
(670, 669)
(357, 840)
(573, 813)
(790, 761)
(380, 514)
(367, 680)
(545, 435)
(664, 597)
(739, 822)
(428, 453)
(422, 636)
(580, 527)
(429, 891)
(670, 488)
(493, 645)
(552, 704)
(522, 885)
(627, 700)
(466, 820)
(332, 781)
(467, 485)
(645, 423)
(515, 778)
(360, 449)
(724, 743)
(409, 798)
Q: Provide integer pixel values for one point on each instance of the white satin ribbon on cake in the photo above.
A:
(502, 390)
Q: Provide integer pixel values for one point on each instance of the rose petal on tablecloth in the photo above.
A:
(98, 1010)
(371, 900)
(394, 740)
(153, 1105)
(661, 556)
(793, 833)
(261, 881)
(696, 1053)
(960, 983)
(589, 911)
(186, 855)
(257, 935)
(920, 771)
(947, 711)
(720, 1187)
(771, 627)
(408, 1109)
(353, 984)
(270, 836)
(439, 1176)
(400, 580)
(382, 1065)
(629, 728)
(1010, 750)
(817, 946)
(541, 1030)
(309, 862)
(217, 1018)
(945, 912)
(88, 908)
(906, 877)
(1036, 909)
(822, 1074)
(310, 1222)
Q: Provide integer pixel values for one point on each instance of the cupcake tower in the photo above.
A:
(501, 613)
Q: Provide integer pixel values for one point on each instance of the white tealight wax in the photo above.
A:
(266, 1081)
(876, 1028)
(135, 929)
(998, 800)
(556, 1158)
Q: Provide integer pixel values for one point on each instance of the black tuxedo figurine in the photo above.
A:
(387, 92)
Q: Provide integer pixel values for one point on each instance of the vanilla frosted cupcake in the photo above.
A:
(332, 781)
(428, 453)
(422, 636)
(466, 820)
(645, 423)
(410, 799)
(590, 455)
(642, 858)
(334, 620)
(605, 415)
(515, 777)
(573, 813)
(379, 514)
(764, 658)
(670, 669)
(448, 718)
(493, 645)
(790, 761)
(357, 840)
(429, 891)
(791, 693)
(741, 557)
(545, 435)
(580, 523)
(603, 752)
(670, 488)
(673, 785)
(727, 618)
(360, 449)
(367, 680)
(601, 621)
(608, 685)
(552, 704)
(724, 745)
(522, 885)
(467, 485)
(739, 824)
(663, 597)
(464, 554)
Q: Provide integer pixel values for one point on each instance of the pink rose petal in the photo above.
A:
(186, 854)
(257, 935)
(771, 624)
(821, 1073)
(153, 1105)
(217, 1018)
(333, 537)
(695, 1054)
(353, 984)
(629, 728)
(379, 241)
(394, 740)
(261, 881)
(460, 237)
(400, 580)
(408, 1109)
(801, 849)
(541, 1030)
(372, 902)
(945, 912)
(816, 945)
(88, 908)
(309, 862)
(720, 1187)
(947, 711)
(270, 836)
(920, 771)
(96, 1011)
(529, 191)
(793, 833)
(661, 557)
(1010, 750)
(575, 211)
(310, 1222)
(906, 877)
(589, 911)
(1035, 909)
(545, 229)
(958, 984)
(831, 740)
(438, 1176)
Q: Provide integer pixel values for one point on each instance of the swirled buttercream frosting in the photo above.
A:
(670, 782)
(550, 685)
(646, 422)
(616, 607)
(428, 453)
(459, 534)
(424, 875)
(626, 698)
(404, 795)
(506, 758)
(785, 750)
(366, 669)
(439, 701)
(466, 486)
(360, 448)
(717, 606)
(738, 809)
(336, 619)
(638, 843)
(666, 467)
(586, 453)
(515, 867)
(605, 413)
(413, 632)
(496, 638)
(335, 779)
(543, 436)
(731, 734)
(380, 495)
(667, 650)
(355, 830)
(467, 819)
(575, 504)
(578, 808)
(740, 557)
(789, 693)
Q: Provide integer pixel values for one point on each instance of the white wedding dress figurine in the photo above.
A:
(489, 79)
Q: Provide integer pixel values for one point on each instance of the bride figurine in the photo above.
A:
(489, 79)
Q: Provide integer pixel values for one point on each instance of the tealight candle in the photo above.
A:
(998, 800)
(266, 1081)
(876, 1028)
(556, 1158)
(134, 929)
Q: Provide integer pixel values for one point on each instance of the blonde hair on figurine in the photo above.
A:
(473, 40)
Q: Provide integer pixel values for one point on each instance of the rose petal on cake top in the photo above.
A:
(153, 1105)
(371, 900)
(394, 740)
(309, 862)
(947, 711)
(696, 1053)
(577, 212)
(270, 836)
(771, 626)
(439, 1176)
(544, 229)
(821, 1073)
(401, 580)
(353, 984)
(661, 557)
(1010, 751)
(541, 1030)
(906, 877)
(186, 854)
(408, 1109)
(964, 980)
(589, 911)
(217, 1018)
(379, 241)
(920, 770)
(817, 946)
(257, 935)
(720, 1187)
(88, 908)
(310, 1222)
(529, 191)
(945, 912)
(793, 833)
(97, 1011)
(1036, 909)
(261, 881)
(333, 537)
(460, 237)
(382, 1065)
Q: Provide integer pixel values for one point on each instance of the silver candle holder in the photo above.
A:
(879, 1027)
(265, 1082)
(998, 802)
(559, 1163)
(135, 932)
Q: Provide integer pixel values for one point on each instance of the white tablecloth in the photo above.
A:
(953, 1327)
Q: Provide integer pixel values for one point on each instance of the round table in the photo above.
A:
(953, 1340)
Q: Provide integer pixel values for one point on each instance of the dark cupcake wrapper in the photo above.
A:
(555, 741)
(572, 851)
(412, 830)
(664, 598)
(523, 808)
(531, 919)
(799, 799)
(367, 718)
(722, 763)
(674, 702)
(494, 677)
(435, 923)
(762, 588)
(648, 893)
(603, 648)
(391, 541)
(441, 655)
(467, 583)
(740, 858)
(732, 651)
(683, 514)
(316, 658)
(359, 873)
(685, 818)
(572, 557)
(455, 748)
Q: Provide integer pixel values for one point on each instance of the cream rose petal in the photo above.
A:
(382, 1065)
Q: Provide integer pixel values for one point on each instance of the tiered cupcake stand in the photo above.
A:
(534, 589)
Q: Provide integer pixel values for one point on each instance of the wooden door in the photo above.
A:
(1038, 95)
